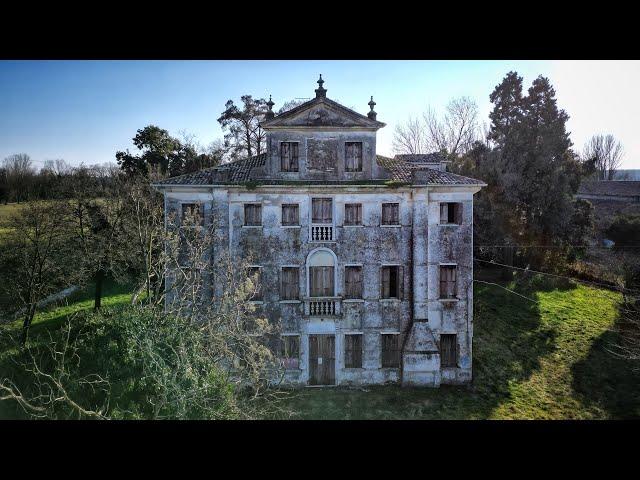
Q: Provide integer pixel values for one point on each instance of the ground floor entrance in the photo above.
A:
(322, 359)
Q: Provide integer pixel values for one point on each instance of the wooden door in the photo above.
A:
(322, 360)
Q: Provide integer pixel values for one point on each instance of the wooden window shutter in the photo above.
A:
(327, 210)
(444, 213)
(458, 214)
(294, 157)
(321, 210)
(401, 283)
(285, 159)
(290, 214)
(385, 277)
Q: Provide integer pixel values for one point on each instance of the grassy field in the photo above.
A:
(541, 359)
(5, 212)
(532, 360)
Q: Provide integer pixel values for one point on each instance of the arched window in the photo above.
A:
(321, 273)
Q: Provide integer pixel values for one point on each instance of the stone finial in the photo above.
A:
(372, 114)
(321, 92)
(269, 115)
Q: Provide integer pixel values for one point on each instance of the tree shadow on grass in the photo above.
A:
(606, 380)
(509, 341)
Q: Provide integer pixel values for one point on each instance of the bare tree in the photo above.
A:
(453, 133)
(604, 153)
(410, 137)
(19, 173)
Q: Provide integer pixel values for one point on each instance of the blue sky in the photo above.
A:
(84, 111)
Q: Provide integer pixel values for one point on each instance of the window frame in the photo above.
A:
(331, 210)
(283, 353)
(200, 206)
(358, 160)
(259, 299)
(399, 282)
(457, 213)
(382, 216)
(397, 349)
(290, 156)
(346, 294)
(453, 350)
(296, 298)
(253, 204)
(349, 349)
(292, 225)
(448, 266)
(359, 215)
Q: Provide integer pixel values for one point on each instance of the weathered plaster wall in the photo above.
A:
(419, 245)
(332, 140)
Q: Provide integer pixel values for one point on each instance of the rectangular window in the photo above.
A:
(450, 213)
(391, 281)
(353, 156)
(289, 156)
(353, 214)
(192, 214)
(321, 210)
(353, 282)
(390, 350)
(448, 350)
(321, 281)
(290, 215)
(448, 281)
(289, 284)
(353, 351)
(255, 274)
(253, 214)
(390, 214)
(290, 352)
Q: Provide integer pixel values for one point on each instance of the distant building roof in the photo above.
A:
(610, 188)
(434, 157)
(249, 169)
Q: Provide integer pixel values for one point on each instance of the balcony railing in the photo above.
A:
(323, 307)
(322, 233)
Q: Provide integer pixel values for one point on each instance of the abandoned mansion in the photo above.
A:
(365, 261)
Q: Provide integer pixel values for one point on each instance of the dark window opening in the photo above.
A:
(448, 350)
(390, 350)
(192, 214)
(451, 213)
(391, 282)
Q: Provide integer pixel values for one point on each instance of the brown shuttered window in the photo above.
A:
(448, 281)
(448, 350)
(390, 350)
(289, 156)
(321, 281)
(255, 274)
(353, 214)
(390, 214)
(192, 214)
(290, 215)
(353, 156)
(353, 282)
(353, 351)
(290, 284)
(290, 352)
(253, 214)
(391, 281)
(451, 213)
(321, 210)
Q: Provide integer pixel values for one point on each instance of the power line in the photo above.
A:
(554, 246)
(558, 276)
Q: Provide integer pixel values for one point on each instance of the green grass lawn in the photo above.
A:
(546, 359)
(543, 360)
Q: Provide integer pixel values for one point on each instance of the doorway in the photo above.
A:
(322, 360)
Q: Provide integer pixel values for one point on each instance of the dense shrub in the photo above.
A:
(625, 230)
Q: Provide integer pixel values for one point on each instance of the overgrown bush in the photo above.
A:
(625, 230)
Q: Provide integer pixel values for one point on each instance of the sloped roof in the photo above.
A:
(246, 169)
(613, 188)
(434, 157)
(343, 116)
(422, 174)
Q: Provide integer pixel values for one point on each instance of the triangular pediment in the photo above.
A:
(321, 112)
